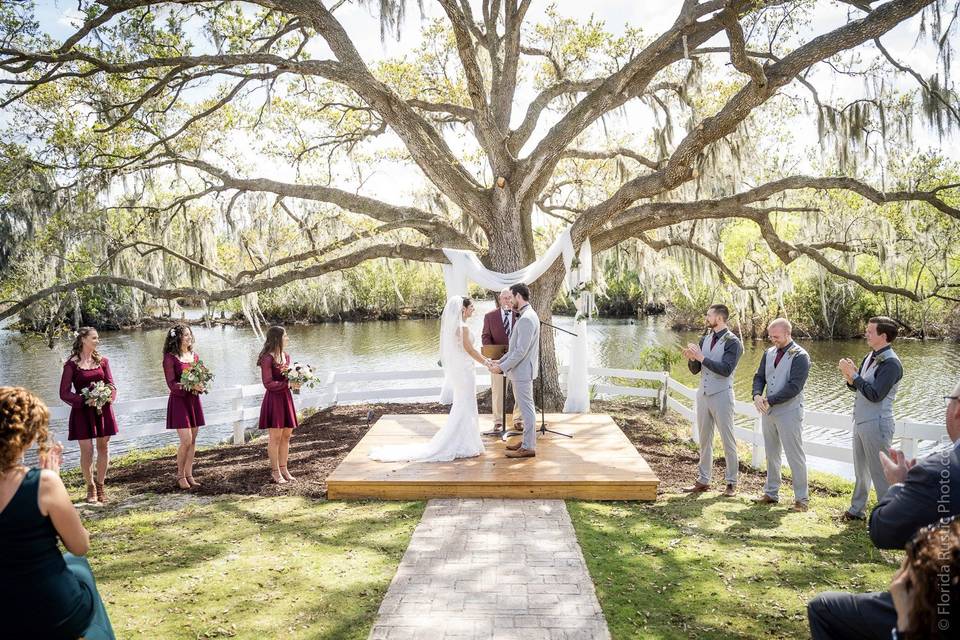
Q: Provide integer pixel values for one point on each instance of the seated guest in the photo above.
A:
(926, 590)
(43, 593)
(921, 494)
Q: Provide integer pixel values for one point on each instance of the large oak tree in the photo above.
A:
(501, 125)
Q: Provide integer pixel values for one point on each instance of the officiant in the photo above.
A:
(497, 325)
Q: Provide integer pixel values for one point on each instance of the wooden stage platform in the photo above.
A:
(598, 463)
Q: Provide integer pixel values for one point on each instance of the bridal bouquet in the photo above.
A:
(100, 392)
(196, 378)
(301, 375)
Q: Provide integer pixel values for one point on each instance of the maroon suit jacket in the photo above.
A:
(493, 332)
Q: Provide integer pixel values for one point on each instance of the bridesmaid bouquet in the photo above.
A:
(100, 392)
(196, 378)
(300, 374)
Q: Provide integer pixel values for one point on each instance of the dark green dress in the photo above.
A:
(40, 597)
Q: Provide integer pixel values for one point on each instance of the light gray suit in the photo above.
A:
(873, 429)
(520, 365)
(783, 425)
(715, 402)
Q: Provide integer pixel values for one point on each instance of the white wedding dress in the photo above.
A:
(460, 436)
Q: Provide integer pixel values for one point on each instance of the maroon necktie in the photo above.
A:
(776, 360)
(713, 341)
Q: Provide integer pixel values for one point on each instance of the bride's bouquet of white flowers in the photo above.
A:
(300, 375)
(100, 393)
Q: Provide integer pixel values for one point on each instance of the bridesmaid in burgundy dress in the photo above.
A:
(277, 413)
(83, 369)
(184, 411)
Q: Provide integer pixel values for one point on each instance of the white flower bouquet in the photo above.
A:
(197, 378)
(100, 393)
(301, 375)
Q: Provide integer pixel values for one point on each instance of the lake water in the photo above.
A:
(931, 368)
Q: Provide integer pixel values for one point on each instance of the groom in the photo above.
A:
(520, 365)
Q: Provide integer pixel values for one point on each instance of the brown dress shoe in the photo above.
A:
(730, 491)
(522, 453)
(800, 506)
(698, 487)
(764, 499)
(847, 517)
(514, 446)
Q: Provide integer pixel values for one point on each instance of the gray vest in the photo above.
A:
(863, 409)
(710, 382)
(777, 378)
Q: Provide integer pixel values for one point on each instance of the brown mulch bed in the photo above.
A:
(325, 438)
(317, 447)
(672, 458)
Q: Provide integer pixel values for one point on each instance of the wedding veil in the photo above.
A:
(453, 358)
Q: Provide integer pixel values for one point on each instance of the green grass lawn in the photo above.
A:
(714, 567)
(190, 566)
(247, 567)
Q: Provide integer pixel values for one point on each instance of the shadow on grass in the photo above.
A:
(250, 567)
(719, 568)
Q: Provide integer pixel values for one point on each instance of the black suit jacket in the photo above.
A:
(930, 492)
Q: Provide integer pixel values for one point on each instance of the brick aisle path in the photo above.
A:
(492, 569)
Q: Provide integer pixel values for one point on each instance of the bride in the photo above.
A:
(460, 436)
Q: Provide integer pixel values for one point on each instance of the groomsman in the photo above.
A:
(715, 358)
(783, 373)
(497, 326)
(875, 382)
(922, 493)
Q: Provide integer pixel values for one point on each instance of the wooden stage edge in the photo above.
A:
(598, 463)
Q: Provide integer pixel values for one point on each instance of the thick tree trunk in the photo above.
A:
(542, 293)
(511, 248)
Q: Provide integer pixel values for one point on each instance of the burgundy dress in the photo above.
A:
(85, 422)
(183, 407)
(277, 410)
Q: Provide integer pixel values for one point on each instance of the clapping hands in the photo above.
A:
(895, 465)
(53, 458)
(692, 352)
(848, 368)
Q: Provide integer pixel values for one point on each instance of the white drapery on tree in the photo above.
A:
(465, 267)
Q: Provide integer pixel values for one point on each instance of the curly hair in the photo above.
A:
(172, 343)
(78, 345)
(24, 418)
(933, 558)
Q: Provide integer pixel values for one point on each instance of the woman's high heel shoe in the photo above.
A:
(192, 482)
(101, 494)
(286, 474)
(91, 494)
(277, 477)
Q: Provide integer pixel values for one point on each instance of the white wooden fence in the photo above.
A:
(664, 390)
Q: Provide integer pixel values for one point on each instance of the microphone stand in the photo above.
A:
(543, 419)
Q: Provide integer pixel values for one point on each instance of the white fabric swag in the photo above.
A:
(466, 267)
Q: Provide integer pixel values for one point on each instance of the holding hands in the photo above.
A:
(761, 403)
(848, 368)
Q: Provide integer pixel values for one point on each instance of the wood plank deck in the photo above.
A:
(598, 463)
